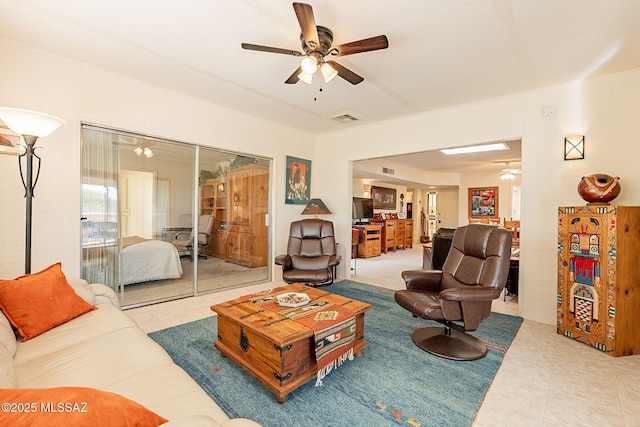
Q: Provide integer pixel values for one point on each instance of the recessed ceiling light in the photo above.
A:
(476, 149)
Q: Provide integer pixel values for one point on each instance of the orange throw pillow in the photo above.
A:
(35, 303)
(72, 407)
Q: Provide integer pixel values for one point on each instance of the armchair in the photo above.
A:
(205, 227)
(311, 253)
(459, 296)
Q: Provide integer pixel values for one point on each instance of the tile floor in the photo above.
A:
(545, 379)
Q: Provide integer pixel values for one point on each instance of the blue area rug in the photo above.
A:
(393, 383)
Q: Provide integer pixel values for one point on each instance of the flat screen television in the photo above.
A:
(362, 208)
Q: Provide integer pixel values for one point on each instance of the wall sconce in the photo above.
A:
(574, 147)
(366, 188)
(31, 125)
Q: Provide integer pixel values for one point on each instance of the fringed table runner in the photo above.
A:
(334, 327)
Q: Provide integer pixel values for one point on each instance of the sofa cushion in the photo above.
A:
(184, 396)
(74, 407)
(82, 288)
(7, 372)
(7, 335)
(107, 319)
(7, 351)
(98, 362)
(35, 303)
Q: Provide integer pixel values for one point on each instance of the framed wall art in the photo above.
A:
(10, 142)
(483, 202)
(383, 198)
(298, 181)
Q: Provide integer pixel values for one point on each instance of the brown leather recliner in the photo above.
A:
(311, 253)
(460, 295)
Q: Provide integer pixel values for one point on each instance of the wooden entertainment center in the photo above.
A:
(381, 236)
(396, 233)
(368, 240)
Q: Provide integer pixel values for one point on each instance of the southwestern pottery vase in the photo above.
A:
(599, 188)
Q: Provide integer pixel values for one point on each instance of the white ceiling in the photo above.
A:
(441, 52)
(436, 161)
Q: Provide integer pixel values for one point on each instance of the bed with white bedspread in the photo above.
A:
(146, 260)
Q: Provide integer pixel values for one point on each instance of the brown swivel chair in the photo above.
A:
(460, 295)
(311, 253)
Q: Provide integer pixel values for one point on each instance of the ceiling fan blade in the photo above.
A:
(260, 48)
(304, 12)
(346, 74)
(364, 45)
(293, 78)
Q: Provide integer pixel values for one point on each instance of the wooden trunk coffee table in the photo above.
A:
(276, 350)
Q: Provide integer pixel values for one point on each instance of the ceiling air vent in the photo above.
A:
(345, 118)
(389, 171)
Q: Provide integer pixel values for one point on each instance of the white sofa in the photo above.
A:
(104, 349)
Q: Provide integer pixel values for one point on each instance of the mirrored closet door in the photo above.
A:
(163, 220)
(234, 200)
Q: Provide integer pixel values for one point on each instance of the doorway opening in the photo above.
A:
(436, 188)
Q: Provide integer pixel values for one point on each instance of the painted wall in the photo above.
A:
(80, 93)
(486, 180)
(605, 110)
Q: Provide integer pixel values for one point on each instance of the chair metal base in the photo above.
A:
(449, 343)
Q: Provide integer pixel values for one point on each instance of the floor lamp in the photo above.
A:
(31, 125)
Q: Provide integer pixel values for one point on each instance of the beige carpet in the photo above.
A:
(213, 274)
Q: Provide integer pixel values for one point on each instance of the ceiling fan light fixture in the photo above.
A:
(138, 151)
(307, 78)
(147, 152)
(309, 64)
(507, 176)
(328, 72)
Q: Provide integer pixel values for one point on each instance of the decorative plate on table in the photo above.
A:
(293, 299)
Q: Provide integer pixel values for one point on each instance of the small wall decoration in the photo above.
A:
(298, 181)
(10, 142)
(384, 198)
(483, 202)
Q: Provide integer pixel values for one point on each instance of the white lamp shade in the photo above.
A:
(307, 78)
(27, 122)
(148, 153)
(328, 72)
(309, 64)
(138, 150)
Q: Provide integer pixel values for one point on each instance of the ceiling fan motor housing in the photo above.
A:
(325, 36)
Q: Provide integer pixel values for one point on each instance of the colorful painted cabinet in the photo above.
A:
(598, 298)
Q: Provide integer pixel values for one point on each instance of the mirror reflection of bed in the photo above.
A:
(145, 260)
(154, 270)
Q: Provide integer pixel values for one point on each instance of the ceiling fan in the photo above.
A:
(142, 145)
(317, 46)
(509, 174)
